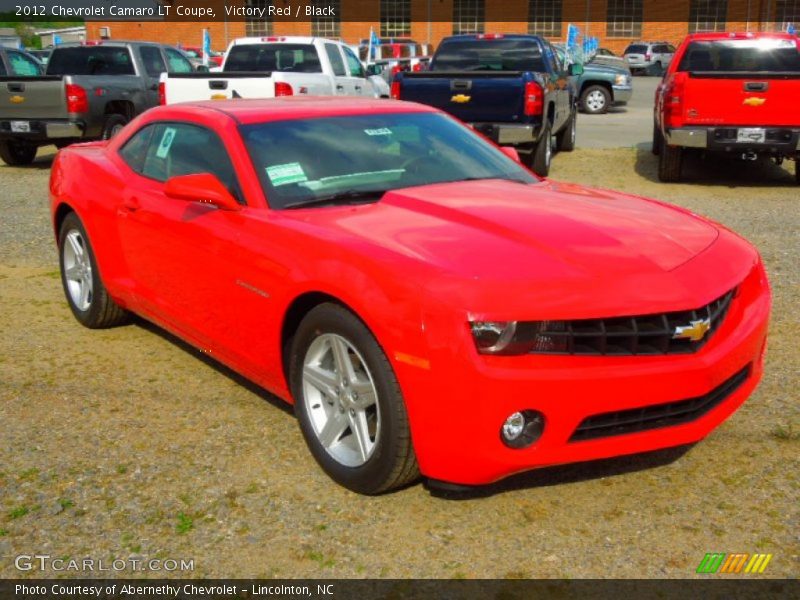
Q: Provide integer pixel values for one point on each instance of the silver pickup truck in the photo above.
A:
(89, 91)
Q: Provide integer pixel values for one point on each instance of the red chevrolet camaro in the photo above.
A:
(427, 304)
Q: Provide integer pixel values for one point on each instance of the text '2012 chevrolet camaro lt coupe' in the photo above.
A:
(427, 304)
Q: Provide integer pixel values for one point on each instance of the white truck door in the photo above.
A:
(357, 76)
(341, 82)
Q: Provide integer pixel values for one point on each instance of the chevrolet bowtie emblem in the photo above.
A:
(219, 97)
(695, 331)
(17, 99)
(753, 101)
(461, 98)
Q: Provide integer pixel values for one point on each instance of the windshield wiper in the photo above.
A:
(348, 196)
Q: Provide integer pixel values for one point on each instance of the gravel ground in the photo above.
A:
(127, 443)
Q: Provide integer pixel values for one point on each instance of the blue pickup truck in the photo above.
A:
(514, 89)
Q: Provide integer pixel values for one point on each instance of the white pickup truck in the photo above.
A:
(265, 67)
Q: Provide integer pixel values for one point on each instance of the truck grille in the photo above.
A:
(658, 415)
(625, 336)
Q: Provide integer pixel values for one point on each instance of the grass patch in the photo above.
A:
(66, 503)
(18, 512)
(3, 532)
(785, 434)
(185, 523)
(28, 474)
(320, 559)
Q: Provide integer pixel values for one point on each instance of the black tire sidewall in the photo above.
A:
(372, 477)
(111, 122)
(92, 315)
(17, 153)
(540, 163)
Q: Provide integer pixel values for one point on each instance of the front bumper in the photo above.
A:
(509, 133)
(622, 93)
(459, 405)
(43, 130)
(781, 140)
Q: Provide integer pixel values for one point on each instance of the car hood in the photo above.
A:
(598, 69)
(506, 238)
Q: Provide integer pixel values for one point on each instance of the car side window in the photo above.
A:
(177, 62)
(22, 65)
(337, 64)
(181, 149)
(135, 149)
(355, 66)
(153, 61)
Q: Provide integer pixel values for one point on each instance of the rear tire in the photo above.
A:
(113, 125)
(539, 160)
(86, 294)
(657, 140)
(349, 404)
(17, 153)
(595, 100)
(797, 169)
(670, 160)
(565, 139)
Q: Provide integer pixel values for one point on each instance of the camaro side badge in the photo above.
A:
(754, 101)
(694, 332)
(461, 98)
(17, 99)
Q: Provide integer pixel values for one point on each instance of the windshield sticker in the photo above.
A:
(381, 131)
(286, 174)
(166, 142)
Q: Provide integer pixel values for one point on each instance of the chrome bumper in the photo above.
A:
(63, 130)
(688, 138)
(622, 93)
(502, 133)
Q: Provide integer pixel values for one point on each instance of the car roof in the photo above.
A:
(250, 111)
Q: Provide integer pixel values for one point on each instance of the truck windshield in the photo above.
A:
(292, 58)
(489, 55)
(91, 60)
(358, 158)
(749, 56)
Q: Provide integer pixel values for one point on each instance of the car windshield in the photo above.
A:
(358, 158)
(489, 55)
(636, 49)
(750, 56)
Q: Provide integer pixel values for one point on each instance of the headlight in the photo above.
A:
(621, 79)
(514, 337)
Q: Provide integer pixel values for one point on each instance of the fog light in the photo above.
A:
(521, 429)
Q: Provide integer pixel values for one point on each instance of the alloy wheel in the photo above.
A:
(78, 270)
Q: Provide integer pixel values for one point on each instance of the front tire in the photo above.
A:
(86, 294)
(595, 100)
(16, 153)
(349, 404)
(565, 139)
(670, 161)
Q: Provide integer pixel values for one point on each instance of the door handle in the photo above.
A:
(340, 88)
(131, 204)
(358, 88)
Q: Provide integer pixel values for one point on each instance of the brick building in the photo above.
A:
(615, 22)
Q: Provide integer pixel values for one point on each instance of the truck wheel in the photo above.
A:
(670, 160)
(565, 139)
(17, 154)
(797, 169)
(595, 100)
(657, 139)
(542, 154)
(113, 125)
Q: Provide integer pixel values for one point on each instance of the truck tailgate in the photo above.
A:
(32, 98)
(762, 99)
(479, 96)
(189, 87)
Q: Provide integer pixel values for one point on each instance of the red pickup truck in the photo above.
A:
(729, 92)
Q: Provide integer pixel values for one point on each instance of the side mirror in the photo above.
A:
(374, 69)
(202, 69)
(575, 70)
(510, 152)
(204, 188)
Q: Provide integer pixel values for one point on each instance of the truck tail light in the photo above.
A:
(674, 100)
(77, 99)
(283, 89)
(534, 98)
(162, 93)
(395, 93)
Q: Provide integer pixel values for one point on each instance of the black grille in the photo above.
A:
(625, 336)
(657, 415)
